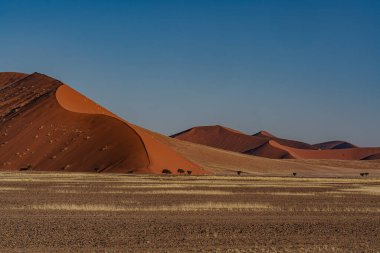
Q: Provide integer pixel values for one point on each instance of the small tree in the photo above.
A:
(181, 171)
(294, 174)
(166, 171)
(238, 172)
(189, 172)
(366, 174)
(362, 174)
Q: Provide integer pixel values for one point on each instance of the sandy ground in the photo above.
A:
(42, 212)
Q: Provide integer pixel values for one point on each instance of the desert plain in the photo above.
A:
(74, 177)
(90, 212)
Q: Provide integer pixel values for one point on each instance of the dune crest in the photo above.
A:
(334, 145)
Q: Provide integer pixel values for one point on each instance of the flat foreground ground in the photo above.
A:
(42, 212)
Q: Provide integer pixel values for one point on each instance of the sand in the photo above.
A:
(46, 125)
(265, 144)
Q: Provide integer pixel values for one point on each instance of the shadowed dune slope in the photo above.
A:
(267, 145)
(334, 145)
(372, 157)
(222, 161)
(289, 143)
(233, 140)
(221, 137)
(339, 154)
(264, 134)
(46, 125)
(7, 78)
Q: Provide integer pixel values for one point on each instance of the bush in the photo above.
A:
(166, 171)
(238, 172)
(294, 174)
(28, 167)
(181, 171)
(189, 172)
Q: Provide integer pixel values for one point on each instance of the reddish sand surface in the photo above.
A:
(265, 144)
(46, 125)
(334, 145)
(341, 154)
(221, 137)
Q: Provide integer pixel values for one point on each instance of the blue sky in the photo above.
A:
(307, 70)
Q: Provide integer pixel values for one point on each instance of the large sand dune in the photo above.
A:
(46, 125)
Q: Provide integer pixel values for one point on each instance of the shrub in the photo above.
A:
(238, 172)
(181, 171)
(362, 174)
(166, 171)
(294, 174)
(28, 167)
(189, 172)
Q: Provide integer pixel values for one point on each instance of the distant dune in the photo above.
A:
(221, 137)
(46, 125)
(334, 145)
(265, 144)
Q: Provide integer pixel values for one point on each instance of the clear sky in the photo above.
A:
(307, 70)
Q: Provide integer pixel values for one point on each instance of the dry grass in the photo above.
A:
(296, 248)
(202, 206)
(186, 192)
(12, 189)
(291, 193)
(68, 191)
(155, 192)
(371, 190)
(329, 209)
(186, 207)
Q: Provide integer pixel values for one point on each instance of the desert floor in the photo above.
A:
(42, 212)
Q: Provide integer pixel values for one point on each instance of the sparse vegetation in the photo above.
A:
(181, 171)
(146, 200)
(28, 167)
(166, 171)
(185, 207)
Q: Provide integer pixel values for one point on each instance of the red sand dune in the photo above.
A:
(10, 77)
(340, 154)
(232, 140)
(290, 143)
(46, 125)
(267, 145)
(221, 137)
(334, 145)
